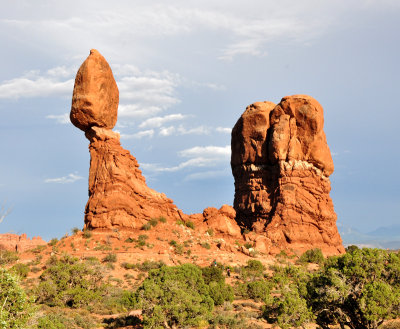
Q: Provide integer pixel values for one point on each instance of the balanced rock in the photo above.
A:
(118, 194)
(281, 164)
(95, 98)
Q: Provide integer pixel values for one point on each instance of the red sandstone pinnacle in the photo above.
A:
(118, 194)
(281, 163)
(95, 97)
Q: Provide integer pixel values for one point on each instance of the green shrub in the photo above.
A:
(205, 245)
(38, 249)
(153, 222)
(174, 296)
(173, 243)
(248, 245)
(128, 266)
(180, 222)
(210, 232)
(75, 230)
(359, 289)
(259, 290)
(162, 219)
(312, 256)
(143, 237)
(68, 282)
(254, 269)
(149, 265)
(87, 234)
(190, 224)
(21, 270)
(351, 249)
(212, 273)
(53, 242)
(110, 258)
(8, 257)
(289, 309)
(220, 292)
(146, 227)
(16, 308)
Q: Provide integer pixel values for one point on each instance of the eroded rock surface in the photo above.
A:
(19, 243)
(118, 194)
(281, 164)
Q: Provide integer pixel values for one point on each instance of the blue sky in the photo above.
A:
(186, 70)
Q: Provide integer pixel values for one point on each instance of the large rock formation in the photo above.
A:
(281, 164)
(118, 194)
(19, 243)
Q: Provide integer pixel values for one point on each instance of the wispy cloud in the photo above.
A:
(144, 133)
(198, 156)
(159, 121)
(181, 130)
(223, 130)
(61, 119)
(35, 85)
(70, 178)
(207, 175)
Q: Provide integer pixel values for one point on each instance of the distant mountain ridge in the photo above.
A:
(385, 237)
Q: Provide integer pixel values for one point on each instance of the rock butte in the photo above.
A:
(280, 161)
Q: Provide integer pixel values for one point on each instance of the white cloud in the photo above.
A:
(144, 133)
(34, 85)
(199, 156)
(159, 121)
(61, 119)
(208, 174)
(207, 151)
(70, 178)
(223, 130)
(181, 130)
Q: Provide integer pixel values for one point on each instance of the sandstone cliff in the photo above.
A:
(281, 164)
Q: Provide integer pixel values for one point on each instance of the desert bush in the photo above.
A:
(219, 291)
(205, 245)
(351, 248)
(110, 258)
(16, 308)
(128, 266)
(174, 296)
(254, 269)
(146, 227)
(87, 234)
(21, 270)
(210, 232)
(162, 219)
(8, 257)
(153, 222)
(149, 265)
(68, 282)
(190, 224)
(312, 256)
(359, 289)
(75, 230)
(259, 290)
(53, 242)
(289, 309)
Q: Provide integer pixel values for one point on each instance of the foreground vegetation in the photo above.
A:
(360, 289)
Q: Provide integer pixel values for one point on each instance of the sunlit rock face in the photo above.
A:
(118, 194)
(281, 164)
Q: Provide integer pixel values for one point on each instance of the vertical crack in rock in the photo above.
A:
(281, 164)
